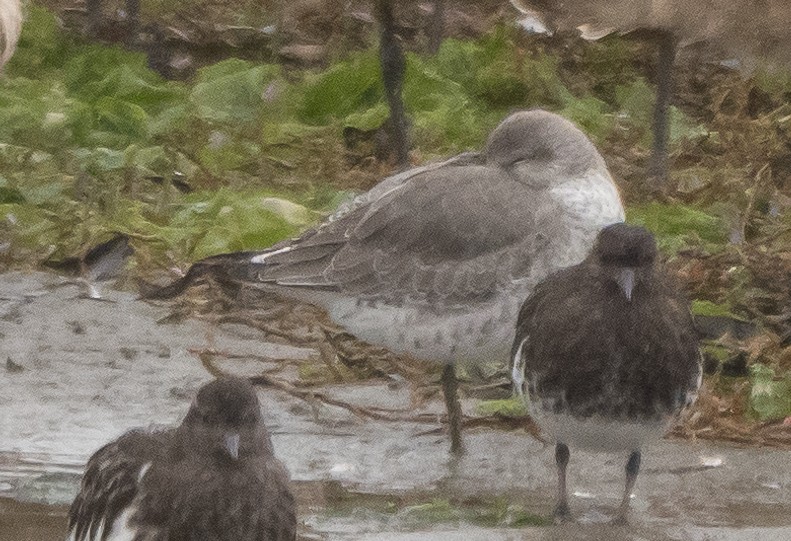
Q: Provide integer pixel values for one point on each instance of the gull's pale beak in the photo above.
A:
(231, 441)
(625, 279)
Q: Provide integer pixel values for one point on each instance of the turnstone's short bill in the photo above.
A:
(606, 354)
(434, 262)
(213, 477)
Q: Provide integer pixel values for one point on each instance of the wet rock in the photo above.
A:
(76, 327)
(128, 353)
(12, 367)
(713, 327)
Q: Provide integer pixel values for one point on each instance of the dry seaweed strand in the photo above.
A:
(706, 421)
(207, 357)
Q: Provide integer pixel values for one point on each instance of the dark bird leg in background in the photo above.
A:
(658, 166)
(562, 460)
(133, 19)
(450, 388)
(393, 62)
(632, 469)
(94, 9)
(436, 27)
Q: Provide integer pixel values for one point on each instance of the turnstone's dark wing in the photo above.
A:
(111, 481)
(540, 299)
(453, 233)
(586, 346)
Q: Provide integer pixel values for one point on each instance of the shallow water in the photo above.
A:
(93, 369)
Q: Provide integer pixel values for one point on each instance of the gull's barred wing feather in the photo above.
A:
(434, 238)
(317, 246)
(398, 179)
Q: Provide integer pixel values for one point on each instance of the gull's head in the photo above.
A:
(627, 254)
(542, 147)
(224, 421)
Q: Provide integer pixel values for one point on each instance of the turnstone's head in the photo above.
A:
(628, 253)
(224, 421)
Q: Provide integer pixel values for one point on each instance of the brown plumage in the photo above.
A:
(213, 477)
(688, 21)
(606, 352)
(748, 30)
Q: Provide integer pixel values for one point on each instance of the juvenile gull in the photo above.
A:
(213, 477)
(606, 354)
(434, 262)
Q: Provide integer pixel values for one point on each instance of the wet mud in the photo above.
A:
(83, 371)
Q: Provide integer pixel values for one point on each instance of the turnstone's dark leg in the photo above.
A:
(632, 469)
(562, 460)
(450, 386)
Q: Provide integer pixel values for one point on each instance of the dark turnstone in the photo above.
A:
(606, 353)
(434, 262)
(213, 477)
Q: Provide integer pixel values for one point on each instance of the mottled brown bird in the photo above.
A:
(606, 354)
(213, 477)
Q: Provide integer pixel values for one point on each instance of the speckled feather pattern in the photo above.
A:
(435, 262)
(180, 484)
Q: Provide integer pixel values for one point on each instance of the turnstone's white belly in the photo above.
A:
(597, 433)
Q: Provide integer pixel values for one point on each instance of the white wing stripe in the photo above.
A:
(518, 369)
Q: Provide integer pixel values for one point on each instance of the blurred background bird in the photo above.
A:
(717, 29)
(10, 27)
